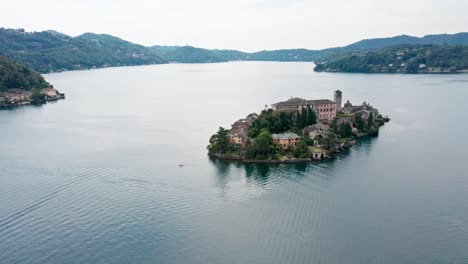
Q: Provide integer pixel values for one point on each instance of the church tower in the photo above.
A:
(338, 95)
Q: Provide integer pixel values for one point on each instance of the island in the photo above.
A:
(296, 130)
(20, 85)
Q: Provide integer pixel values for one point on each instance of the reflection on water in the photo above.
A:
(259, 174)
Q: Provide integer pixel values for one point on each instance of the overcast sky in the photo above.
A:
(247, 25)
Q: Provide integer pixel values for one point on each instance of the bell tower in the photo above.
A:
(338, 97)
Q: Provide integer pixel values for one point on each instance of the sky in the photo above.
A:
(247, 25)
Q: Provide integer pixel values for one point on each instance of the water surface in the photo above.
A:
(94, 178)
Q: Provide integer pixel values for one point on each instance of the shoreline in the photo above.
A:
(330, 154)
(229, 61)
(30, 103)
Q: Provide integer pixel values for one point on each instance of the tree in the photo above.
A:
(330, 141)
(301, 150)
(304, 118)
(298, 119)
(37, 97)
(249, 150)
(219, 142)
(359, 122)
(263, 144)
(370, 122)
(345, 130)
(311, 117)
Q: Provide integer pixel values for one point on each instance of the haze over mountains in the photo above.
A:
(50, 50)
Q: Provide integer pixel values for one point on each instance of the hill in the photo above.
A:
(191, 54)
(187, 54)
(16, 75)
(52, 51)
(403, 59)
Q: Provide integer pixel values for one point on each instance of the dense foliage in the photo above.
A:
(220, 143)
(16, 75)
(279, 122)
(403, 59)
(53, 51)
(263, 148)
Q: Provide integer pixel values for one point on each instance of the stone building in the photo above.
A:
(364, 107)
(316, 130)
(286, 139)
(324, 108)
(240, 129)
(338, 98)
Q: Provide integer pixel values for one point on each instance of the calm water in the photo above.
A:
(94, 178)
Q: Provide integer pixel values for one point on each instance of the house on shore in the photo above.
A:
(286, 140)
(240, 129)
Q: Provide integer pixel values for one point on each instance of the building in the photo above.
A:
(318, 129)
(338, 98)
(240, 129)
(324, 108)
(50, 92)
(15, 94)
(286, 140)
(351, 109)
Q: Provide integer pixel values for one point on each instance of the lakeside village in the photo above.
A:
(297, 130)
(17, 97)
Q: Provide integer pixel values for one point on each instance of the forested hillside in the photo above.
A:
(403, 59)
(16, 75)
(52, 51)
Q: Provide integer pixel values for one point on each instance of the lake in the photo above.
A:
(94, 178)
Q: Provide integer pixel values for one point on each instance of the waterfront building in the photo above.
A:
(286, 139)
(240, 129)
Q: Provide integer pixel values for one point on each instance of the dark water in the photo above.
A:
(94, 178)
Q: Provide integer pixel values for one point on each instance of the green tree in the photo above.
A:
(37, 97)
(345, 130)
(370, 122)
(304, 118)
(311, 117)
(359, 122)
(301, 150)
(220, 142)
(330, 141)
(263, 144)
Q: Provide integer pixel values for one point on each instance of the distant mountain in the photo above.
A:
(191, 54)
(54, 51)
(403, 59)
(378, 43)
(284, 55)
(187, 54)
(370, 44)
(16, 75)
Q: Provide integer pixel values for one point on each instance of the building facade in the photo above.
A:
(324, 108)
(286, 140)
